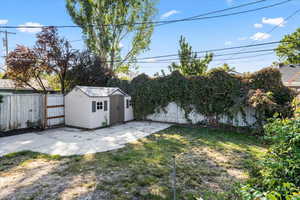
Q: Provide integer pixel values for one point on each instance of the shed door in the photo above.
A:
(116, 109)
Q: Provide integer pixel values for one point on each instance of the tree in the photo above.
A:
(51, 56)
(225, 67)
(87, 71)
(190, 64)
(107, 23)
(289, 49)
(56, 54)
(24, 67)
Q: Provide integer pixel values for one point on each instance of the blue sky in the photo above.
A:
(249, 28)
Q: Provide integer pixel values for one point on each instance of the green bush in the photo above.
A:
(1, 98)
(278, 175)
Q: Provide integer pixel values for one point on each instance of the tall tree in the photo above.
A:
(289, 49)
(190, 64)
(24, 67)
(107, 23)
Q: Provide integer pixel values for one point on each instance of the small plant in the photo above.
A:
(105, 123)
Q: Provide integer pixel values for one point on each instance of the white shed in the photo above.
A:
(95, 107)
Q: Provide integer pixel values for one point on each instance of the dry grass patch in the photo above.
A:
(209, 163)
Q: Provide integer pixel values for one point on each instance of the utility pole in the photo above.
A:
(5, 40)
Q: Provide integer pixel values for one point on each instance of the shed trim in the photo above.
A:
(96, 96)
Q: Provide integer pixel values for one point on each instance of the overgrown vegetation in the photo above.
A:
(277, 175)
(1, 97)
(209, 163)
(213, 95)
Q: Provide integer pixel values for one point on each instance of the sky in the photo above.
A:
(243, 29)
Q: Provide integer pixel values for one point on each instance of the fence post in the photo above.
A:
(174, 177)
(45, 111)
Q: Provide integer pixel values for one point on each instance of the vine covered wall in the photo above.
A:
(215, 94)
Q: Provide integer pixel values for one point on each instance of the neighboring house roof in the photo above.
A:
(290, 75)
(8, 84)
(99, 91)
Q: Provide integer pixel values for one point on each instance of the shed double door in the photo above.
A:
(116, 109)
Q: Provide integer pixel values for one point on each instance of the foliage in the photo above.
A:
(25, 68)
(190, 64)
(106, 24)
(213, 95)
(278, 174)
(51, 55)
(289, 48)
(1, 97)
(56, 54)
(87, 71)
(225, 67)
(53, 81)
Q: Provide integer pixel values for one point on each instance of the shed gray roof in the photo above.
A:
(290, 73)
(99, 91)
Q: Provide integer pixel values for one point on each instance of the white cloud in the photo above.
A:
(242, 38)
(258, 25)
(274, 21)
(30, 30)
(121, 45)
(169, 14)
(228, 43)
(3, 21)
(151, 60)
(260, 36)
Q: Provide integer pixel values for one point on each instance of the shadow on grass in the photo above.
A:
(209, 162)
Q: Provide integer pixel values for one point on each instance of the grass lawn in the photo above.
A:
(209, 164)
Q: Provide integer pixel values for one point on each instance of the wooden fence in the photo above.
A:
(20, 111)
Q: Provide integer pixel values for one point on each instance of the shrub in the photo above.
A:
(279, 172)
(1, 98)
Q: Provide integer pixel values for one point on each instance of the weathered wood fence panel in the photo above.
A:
(175, 114)
(20, 111)
(55, 110)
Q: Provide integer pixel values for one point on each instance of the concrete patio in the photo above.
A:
(70, 141)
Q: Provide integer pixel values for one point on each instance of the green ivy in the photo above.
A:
(215, 94)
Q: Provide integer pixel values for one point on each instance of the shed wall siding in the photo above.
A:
(77, 109)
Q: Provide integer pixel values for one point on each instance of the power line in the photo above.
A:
(213, 50)
(278, 25)
(159, 22)
(238, 58)
(219, 55)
